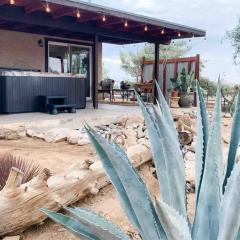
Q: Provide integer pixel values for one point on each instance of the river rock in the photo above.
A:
(140, 133)
(9, 134)
(35, 133)
(84, 140)
(131, 137)
(190, 156)
(73, 136)
(56, 135)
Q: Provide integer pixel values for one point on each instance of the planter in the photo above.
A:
(186, 100)
(174, 93)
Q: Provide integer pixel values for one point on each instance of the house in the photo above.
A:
(54, 47)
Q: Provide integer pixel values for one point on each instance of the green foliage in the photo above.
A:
(217, 212)
(234, 36)
(208, 87)
(131, 61)
(184, 83)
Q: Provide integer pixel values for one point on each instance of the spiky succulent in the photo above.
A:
(8, 161)
(217, 207)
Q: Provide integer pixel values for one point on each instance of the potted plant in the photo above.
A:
(176, 86)
(187, 87)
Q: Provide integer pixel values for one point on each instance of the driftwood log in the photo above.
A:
(19, 204)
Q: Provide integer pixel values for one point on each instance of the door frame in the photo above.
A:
(81, 44)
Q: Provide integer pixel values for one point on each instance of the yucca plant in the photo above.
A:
(217, 207)
(8, 161)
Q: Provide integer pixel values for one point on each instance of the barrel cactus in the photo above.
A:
(217, 205)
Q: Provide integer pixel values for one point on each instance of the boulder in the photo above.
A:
(140, 133)
(189, 156)
(9, 134)
(84, 140)
(73, 136)
(35, 133)
(131, 137)
(56, 135)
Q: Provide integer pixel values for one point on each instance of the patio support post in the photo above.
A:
(95, 72)
(156, 69)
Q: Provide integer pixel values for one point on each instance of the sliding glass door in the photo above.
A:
(71, 58)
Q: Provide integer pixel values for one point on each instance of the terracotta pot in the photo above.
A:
(174, 93)
(186, 100)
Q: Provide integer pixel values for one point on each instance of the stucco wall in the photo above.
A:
(21, 50)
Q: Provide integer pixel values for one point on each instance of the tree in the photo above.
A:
(131, 61)
(234, 36)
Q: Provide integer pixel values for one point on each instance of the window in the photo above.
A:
(67, 58)
(59, 59)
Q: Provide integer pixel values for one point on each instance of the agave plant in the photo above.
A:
(217, 203)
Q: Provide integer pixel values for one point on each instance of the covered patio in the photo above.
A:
(61, 42)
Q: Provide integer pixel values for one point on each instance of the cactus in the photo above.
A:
(217, 207)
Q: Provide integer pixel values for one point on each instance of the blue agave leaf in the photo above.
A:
(72, 225)
(114, 178)
(98, 225)
(157, 151)
(167, 145)
(175, 225)
(235, 138)
(206, 224)
(202, 139)
(230, 208)
(166, 110)
(135, 189)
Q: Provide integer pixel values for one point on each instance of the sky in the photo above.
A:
(214, 16)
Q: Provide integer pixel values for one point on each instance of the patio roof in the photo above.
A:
(81, 20)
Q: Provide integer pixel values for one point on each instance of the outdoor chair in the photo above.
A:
(106, 86)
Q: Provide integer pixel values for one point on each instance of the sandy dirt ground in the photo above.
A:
(57, 157)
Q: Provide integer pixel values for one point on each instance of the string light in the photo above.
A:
(78, 14)
(179, 34)
(48, 8)
(146, 28)
(126, 23)
(104, 18)
(163, 31)
(12, 2)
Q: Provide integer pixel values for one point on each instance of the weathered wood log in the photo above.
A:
(19, 204)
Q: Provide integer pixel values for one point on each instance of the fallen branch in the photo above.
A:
(19, 204)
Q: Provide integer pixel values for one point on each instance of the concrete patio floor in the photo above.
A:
(82, 114)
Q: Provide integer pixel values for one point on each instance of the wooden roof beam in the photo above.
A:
(61, 12)
(33, 7)
(4, 2)
(87, 18)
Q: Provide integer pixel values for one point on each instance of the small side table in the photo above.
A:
(174, 102)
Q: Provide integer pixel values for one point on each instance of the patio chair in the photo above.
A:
(106, 86)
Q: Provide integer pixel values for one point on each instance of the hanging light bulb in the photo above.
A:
(126, 23)
(163, 31)
(146, 28)
(179, 34)
(48, 10)
(104, 18)
(12, 2)
(78, 13)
